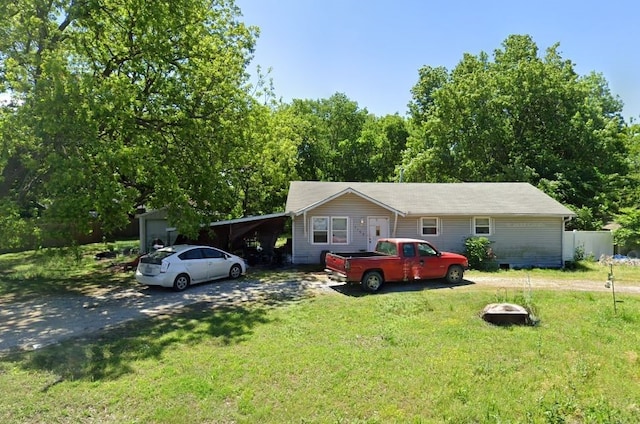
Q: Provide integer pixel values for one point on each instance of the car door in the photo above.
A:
(195, 264)
(412, 265)
(218, 266)
(430, 263)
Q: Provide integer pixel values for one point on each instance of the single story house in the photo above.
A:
(524, 224)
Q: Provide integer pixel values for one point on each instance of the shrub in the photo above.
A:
(480, 254)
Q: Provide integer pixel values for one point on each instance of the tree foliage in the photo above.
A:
(268, 163)
(630, 192)
(328, 148)
(118, 104)
(339, 141)
(627, 236)
(519, 117)
(121, 103)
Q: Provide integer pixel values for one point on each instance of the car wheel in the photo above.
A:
(372, 281)
(181, 282)
(235, 271)
(455, 274)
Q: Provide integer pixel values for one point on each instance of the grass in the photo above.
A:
(420, 356)
(71, 270)
(584, 271)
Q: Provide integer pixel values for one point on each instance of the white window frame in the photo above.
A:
(421, 226)
(330, 230)
(346, 230)
(474, 226)
(313, 230)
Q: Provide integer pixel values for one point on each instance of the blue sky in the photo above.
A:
(372, 50)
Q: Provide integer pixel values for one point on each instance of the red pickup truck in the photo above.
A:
(395, 259)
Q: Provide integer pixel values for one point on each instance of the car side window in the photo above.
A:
(191, 254)
(409, 250)
(426, 250)
(212, 253)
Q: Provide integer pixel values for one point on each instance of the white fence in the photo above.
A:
(592, 243)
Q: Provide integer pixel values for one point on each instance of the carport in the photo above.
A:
(252, 237)
(248, 237)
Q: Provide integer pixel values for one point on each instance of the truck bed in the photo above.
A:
(357, 254)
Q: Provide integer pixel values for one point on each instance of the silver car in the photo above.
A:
(182, 265)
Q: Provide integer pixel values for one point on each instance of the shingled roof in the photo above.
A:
(427, 199)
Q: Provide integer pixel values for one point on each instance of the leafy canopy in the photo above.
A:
(122, 103)
(519, 117)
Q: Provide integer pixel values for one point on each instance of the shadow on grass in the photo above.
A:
(355, 290)
(24, 276)
(109, 355)
(20, 289)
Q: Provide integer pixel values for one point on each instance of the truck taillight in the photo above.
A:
(347, 265)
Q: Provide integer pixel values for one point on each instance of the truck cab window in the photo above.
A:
(409, 250)
(426, 250)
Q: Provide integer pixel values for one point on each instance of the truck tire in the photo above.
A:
(372, 281)
(455, 273)
(323, 258)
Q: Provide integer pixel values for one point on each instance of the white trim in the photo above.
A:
(346, 230)
(312, 230)
(421, 226)
(329, 220)
(474, 226)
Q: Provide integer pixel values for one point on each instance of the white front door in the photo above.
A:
(378, 228)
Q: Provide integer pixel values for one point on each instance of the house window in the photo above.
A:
(428, 226)
(330, 230)
(482, 226)
(339, 233)
(320, 230)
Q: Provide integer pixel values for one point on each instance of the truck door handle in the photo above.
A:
(421, 262)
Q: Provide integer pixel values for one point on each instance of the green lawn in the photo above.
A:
(413, 356)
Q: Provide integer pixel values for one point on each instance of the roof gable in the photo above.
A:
(431, 199)
(347, 190)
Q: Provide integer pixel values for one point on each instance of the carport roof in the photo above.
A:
(248, 219)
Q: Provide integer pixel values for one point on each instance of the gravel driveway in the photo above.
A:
(35, 323)
(32, 324)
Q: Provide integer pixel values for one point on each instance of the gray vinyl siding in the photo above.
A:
(452, 231)
(528, 242)
(517, 241)
(353, 207)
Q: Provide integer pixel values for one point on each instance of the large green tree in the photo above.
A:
(379, 148)
(627, 235)
(328, 133)
(268, 163)
(520, 117)
(121, 103)
(631, 190)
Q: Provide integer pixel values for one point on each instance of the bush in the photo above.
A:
(480, 254)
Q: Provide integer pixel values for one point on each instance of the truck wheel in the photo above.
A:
(455, 274)
(372, 281)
